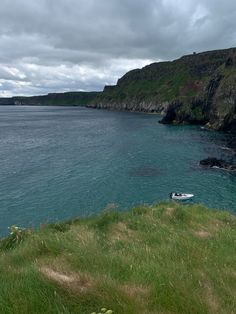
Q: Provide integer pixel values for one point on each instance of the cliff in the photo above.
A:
(198, 88)
(165, 258)
(53, 99)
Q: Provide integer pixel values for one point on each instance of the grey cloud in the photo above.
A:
(91, 34)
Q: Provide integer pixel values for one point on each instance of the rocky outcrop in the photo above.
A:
(212, 162)
(216, 106)
(232, 144)
(198, 88)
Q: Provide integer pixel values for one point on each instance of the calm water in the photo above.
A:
(58, 163)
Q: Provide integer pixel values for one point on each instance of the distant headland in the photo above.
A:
(198, 89)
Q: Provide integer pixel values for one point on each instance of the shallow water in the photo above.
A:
(62, 162)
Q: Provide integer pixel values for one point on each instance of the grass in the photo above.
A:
(166, 87)
(60, 99)
(164, 258)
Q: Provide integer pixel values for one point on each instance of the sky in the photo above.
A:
(70, 45)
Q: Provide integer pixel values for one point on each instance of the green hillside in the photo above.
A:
(198, 88)
(53, 99)
(164, 258)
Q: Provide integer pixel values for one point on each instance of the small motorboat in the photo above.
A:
(181, 196)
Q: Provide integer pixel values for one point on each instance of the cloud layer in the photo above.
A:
(62, 45)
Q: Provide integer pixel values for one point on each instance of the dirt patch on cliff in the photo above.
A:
(120, 231)
(135, 290)
(202, 234)
(169, 211)
(75, 281)
(83, 234)
(211, 298)
(138, 293)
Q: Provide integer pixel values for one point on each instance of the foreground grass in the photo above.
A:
(164, 258)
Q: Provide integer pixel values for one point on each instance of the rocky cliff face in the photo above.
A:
(198, 88)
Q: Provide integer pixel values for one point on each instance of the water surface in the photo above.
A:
(62, 162)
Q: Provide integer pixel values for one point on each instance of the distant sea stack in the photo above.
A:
(197, 89)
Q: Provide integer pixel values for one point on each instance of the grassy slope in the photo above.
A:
(164, 259)
(163, 87)
(53, 99)
(61, 99)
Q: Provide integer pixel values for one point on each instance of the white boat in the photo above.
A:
(181, 196)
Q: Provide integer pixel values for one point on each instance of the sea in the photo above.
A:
(58, 163)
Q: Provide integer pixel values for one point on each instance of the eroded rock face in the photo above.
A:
(216, 108)
(198, 88)
(212, 162)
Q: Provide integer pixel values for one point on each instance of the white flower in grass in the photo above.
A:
(104, 311)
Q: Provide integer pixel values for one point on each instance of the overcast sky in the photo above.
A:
(66, 45)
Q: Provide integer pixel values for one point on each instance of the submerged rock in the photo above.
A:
(212, 162)
(144, 172)
(232, 144)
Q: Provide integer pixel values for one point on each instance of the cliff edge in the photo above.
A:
(198, 88)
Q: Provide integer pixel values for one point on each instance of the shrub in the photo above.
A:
(17, 235)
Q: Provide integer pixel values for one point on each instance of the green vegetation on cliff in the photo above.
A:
(53, 99)
(164, 258)
(198, 88)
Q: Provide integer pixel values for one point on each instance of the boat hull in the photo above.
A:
(182, 197)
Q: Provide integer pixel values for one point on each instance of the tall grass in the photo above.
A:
(164, 258)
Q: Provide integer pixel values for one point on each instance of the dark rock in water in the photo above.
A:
(171, 114)
(212, 162)
(144, 172)
(176, 115)
(232, 144)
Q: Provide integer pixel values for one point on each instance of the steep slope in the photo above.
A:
(165, 258)
(198, 88)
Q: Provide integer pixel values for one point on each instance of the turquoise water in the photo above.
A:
(60, 162)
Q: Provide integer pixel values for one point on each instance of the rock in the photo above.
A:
(212, 162)
(232, 144)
